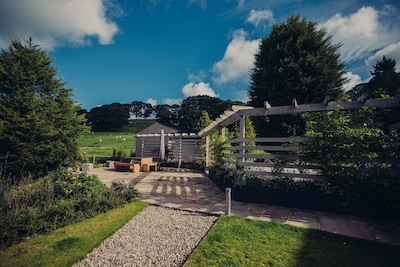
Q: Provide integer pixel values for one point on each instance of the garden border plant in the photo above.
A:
(60, 198)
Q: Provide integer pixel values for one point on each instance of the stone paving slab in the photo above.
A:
(304, 218)
(194, 191)
(344, 226)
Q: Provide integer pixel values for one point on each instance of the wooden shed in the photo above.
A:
(181, 144)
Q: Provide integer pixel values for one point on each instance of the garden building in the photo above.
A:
(180, 145)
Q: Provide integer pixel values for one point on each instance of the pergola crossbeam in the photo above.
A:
(269, 110)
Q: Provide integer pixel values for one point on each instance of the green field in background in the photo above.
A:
(102, 144)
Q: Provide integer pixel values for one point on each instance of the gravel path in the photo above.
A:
(157, 236)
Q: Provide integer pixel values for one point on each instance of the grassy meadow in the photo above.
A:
(102, 144)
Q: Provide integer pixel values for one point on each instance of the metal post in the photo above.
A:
(228, 202)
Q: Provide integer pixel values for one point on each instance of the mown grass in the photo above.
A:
(236, 241)
(233, 241)
(102, 144)
(68, 245)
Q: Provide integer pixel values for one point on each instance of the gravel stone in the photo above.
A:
(157, 236)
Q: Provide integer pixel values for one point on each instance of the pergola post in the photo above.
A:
(242, 134)
(207, 151)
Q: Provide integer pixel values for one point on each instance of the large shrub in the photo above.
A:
(60, 198)
(357, 157)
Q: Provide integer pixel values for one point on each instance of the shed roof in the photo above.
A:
(156, 127)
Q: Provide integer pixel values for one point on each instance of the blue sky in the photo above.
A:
(162, 51)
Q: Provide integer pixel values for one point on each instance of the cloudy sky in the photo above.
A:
(162, 51)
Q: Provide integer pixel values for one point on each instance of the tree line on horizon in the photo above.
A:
(112, 117)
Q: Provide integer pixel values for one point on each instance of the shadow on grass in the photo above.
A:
(236, 241)
(66, 243)
(326, 249)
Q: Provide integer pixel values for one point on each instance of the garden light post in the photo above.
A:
(228, 201)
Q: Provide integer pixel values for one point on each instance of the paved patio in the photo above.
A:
(194, 191)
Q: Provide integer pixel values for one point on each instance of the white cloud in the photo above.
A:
(352, 80)
(238, 59)
(391, 51)
(201, 3)
(362, 32)
(257, 17)
(201, 88)
(197, 77)
(241, 3)
(172, 101)
(53, 23)
(152, 102)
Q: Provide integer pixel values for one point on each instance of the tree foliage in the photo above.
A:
(140, 109)
(108, 117)
(234, 129)
(39, 121)
(167, 114)
(188, 114)
(385, 80)
(192, 107)
(296, 60)
(204, 121)
(341, 142)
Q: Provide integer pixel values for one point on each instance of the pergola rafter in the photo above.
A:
(240, 111)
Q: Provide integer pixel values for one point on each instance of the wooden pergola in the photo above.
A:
(238, 113)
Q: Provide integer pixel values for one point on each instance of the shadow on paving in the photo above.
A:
(194, 191)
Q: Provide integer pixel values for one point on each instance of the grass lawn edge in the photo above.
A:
(70, 244)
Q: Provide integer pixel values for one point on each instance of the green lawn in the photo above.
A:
(102, 144)
(236, 241)
(233, 241)
(70, 244)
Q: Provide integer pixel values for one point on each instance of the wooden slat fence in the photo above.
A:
(269, 157)
(279, 157)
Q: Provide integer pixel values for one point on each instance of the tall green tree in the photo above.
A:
(296, 60)
(110, 117)
(39, 121)
(191, 109)
(204, 120)
(167, 114)
(136, 108)
(385, 80)
(148, 110)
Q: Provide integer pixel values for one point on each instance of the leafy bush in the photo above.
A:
(281, 184)
(382, 203)
(126, 192)
(54, 201)
(350, 150)
(70, 184)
